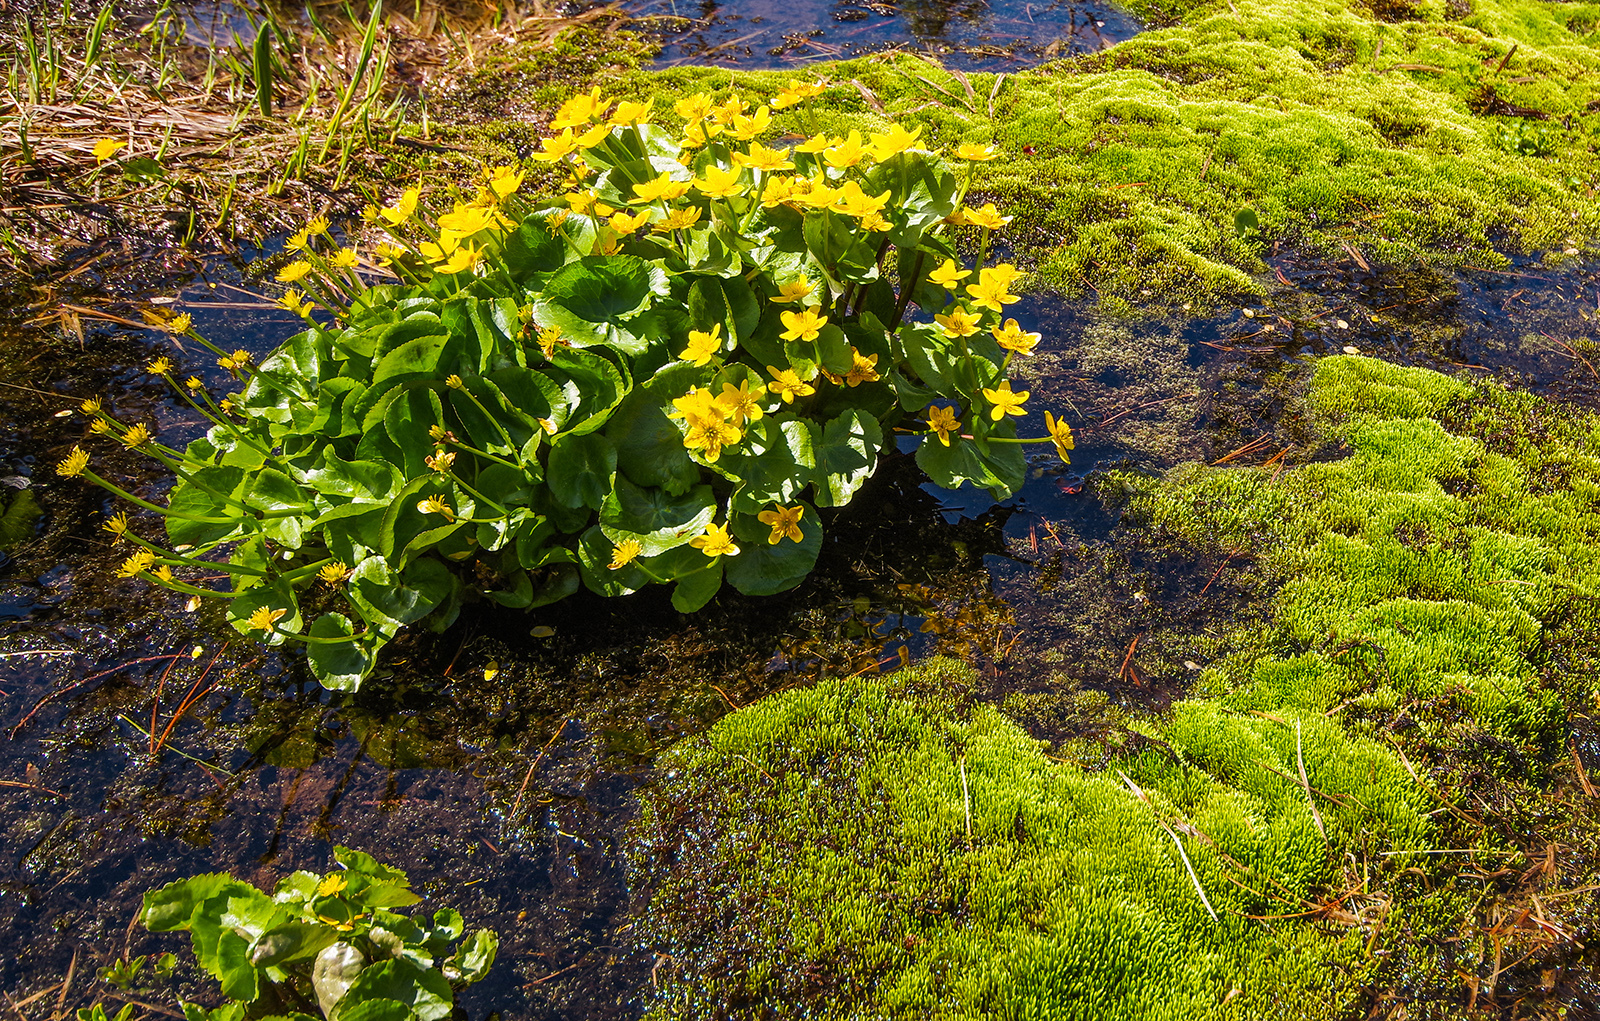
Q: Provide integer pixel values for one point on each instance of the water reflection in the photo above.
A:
(973, 34)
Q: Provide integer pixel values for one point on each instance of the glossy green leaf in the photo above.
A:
(580, 469)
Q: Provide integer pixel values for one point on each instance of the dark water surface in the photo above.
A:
(983, 35)
(499, 766)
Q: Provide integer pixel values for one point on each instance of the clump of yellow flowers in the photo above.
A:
(661, 370)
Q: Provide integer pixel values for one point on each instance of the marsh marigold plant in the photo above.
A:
(656, 377)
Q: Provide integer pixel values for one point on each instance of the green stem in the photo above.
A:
(147, 505)
(177, 559)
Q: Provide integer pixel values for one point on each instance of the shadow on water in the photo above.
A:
(980, 35)
(497, 762)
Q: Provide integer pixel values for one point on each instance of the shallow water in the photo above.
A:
(508, 796)
(984, 35)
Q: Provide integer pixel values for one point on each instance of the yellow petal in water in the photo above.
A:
(491, 671)
(542, 632)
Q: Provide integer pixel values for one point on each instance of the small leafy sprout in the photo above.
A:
(123, 973)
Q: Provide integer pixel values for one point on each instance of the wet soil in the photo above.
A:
(497, 762)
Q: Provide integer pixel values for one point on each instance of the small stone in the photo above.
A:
(1569, 251)
(1341, 324)
(1249, 313)
(1268, 328)
(1349, 350)
(1190, 664)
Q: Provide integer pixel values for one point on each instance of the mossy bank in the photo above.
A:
(1362, 804)
(1432, 132)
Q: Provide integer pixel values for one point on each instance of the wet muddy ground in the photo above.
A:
(496, 762)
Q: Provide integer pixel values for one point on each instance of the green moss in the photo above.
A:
(893, 849)
(1379, 125)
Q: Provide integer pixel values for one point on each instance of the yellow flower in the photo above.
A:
(465, 221)
(628, 112)
(117, 525)
(627, 223)
(896, 141)
(159, 366)
(1004, 401)
(503, 181)
(580, 110)
(384, 252)
(265, 618)
(549, 337)
(292, 300)
(402, 210)
(976, 153)
(677, 220)
(334, 573)
(73, 464)
(440, 461)
(715, 542)
(100, 427)
(436, 505)
(816, 143)
(745, 128)
(730, 109)
(137, 564)
(988, 217)
(344, 258)
(949, 275)
(298, 240)
(193, 383)
(317, 225)
(331, 885)
(847, 152)
(789, 385)
(739, 404)
(852, 201)
(785, 522)
(695, 135)
(594, 136)
(92, 406)
(610, 246)
(556, 148)
(777, 190)
(241, 357)
(463, 258)
(863, 369)
(453, 381)
(163, 573)
(959, 323)
(944, 422)
(693, 108)
(719, 183)
(1012, 338)
(294, 272)
(792, 290)
(818, 195)
(107, 148)
(703, 346)
(802, 325)
(624, 553)
(663, 187)
(762, 158)
(993, 289)
(1061, 435)
(797, 93)
(136, 436)
(875, 221)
